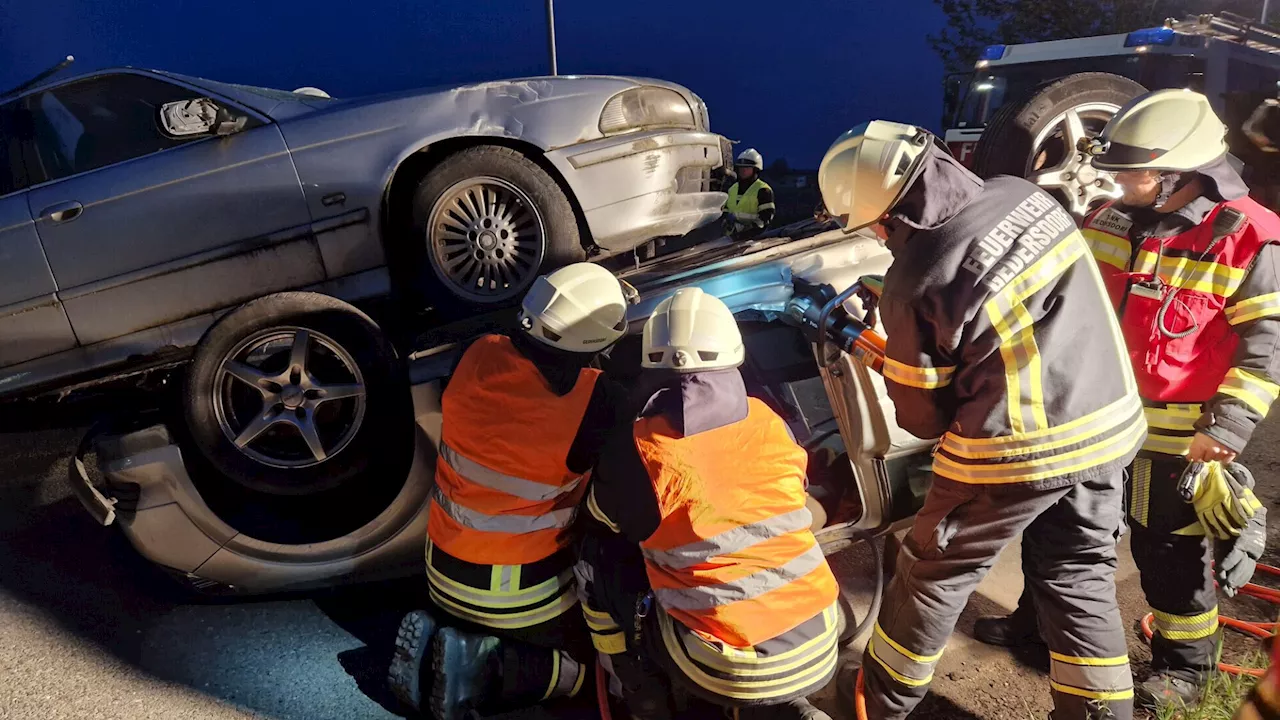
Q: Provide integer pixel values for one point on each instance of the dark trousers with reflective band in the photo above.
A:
(1175, 568)
(1070, 535)
(532, 608)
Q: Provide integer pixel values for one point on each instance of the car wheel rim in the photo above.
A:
(289, 397)
(487, 239)
(1058, 166)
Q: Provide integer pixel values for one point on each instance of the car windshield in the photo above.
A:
(990, 88)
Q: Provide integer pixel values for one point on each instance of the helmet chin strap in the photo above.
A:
(1169, 184)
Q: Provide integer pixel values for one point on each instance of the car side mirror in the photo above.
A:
(201, 116)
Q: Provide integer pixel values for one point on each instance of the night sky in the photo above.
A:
(784, 77)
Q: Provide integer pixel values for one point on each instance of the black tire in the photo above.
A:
(1008, 145)
(562, 241)
(369, 446)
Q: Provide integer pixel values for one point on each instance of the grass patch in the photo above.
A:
(1221, 698)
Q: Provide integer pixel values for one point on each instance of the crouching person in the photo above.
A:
(524, 417)
(701, 568)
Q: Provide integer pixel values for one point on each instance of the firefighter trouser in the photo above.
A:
(1070, 535)
(1175, 568)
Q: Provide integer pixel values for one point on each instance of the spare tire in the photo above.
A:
(1035, 137)
(299, 393)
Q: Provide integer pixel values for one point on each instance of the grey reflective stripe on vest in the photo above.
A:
(494, 480)
(745, 588)
(514, 524)
(731, 541)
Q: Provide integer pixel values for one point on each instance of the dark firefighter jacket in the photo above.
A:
(1001, 338)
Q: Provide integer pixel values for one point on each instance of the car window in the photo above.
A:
(100, 121)
(13, 174)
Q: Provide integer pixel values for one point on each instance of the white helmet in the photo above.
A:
(865, 172)
(692, 331)
(750, 158)
(1168, 130)
(578, 308)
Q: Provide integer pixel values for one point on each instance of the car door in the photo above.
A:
(142, 227)
(32, 321)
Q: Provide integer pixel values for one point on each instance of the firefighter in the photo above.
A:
(987, 306)
(524, 418)
(750, 206)
(702, 568)
(1192, 268)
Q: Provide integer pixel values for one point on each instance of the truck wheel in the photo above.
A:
(491, 220)
(1036, 137)
(298, 393)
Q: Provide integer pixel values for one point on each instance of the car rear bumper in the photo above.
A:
(643, 185)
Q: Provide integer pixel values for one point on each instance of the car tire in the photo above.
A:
(315, 362)
(490, 209)
(1032, 137)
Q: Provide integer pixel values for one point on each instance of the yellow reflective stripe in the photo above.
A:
(577, 684)
(906, 667)
(1254, 308)
(927, 378)
(1256, 392)
(914, 657)
(1099, 453)
(1186, 627)
(597, 513)
(1174, 417)
(518, 597)
(1140, 498)
(1093, 694)
(504, 621)
(555, 675)
(614, 643)
(729, 659)
(1016, 328)
(1095, 423)
(1107, 248)
(806, 681)
(1200, 276)
(1167, 445)
(1122, 353)
(1090, 661)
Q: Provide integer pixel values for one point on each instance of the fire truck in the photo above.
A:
(1024, 107)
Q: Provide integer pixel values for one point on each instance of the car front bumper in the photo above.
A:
(643, 185)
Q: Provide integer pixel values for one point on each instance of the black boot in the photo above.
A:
(1162, 690)
(798, 709)
(1015, 630)
(466, 672)
(409, 676)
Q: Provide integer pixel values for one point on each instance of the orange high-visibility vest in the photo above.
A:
(734, 558)
(503, 494)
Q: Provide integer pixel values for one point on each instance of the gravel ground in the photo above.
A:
(89, 630)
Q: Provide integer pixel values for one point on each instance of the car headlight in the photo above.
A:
(646, 107)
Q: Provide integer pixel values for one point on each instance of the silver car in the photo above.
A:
(138, 207)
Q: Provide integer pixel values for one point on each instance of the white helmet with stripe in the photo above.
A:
(692, 331)
(750, 158)
(867, 169)
(1165, 130)
(579, 308)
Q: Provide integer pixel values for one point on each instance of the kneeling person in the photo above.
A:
(524, 418)
(711, 486)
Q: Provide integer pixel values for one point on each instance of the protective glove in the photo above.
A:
(1236, 568)
(1222, 502)
(872, 285)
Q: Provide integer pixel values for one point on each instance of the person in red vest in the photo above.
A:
(524, 419)
(702, 567)
(1193, 270)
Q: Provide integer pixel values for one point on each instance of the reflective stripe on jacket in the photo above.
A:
(1001, 339)
(745, 206)
(733, 557)
(503, 494)
(1218, 308)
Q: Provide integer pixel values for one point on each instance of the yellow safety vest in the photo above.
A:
(745, 207)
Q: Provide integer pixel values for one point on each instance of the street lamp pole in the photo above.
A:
(551, 33)
(1265, 5)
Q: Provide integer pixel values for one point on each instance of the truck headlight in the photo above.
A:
(645, 108)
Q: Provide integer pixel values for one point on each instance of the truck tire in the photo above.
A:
(1034, 137)
(489, 220)
(299, 393)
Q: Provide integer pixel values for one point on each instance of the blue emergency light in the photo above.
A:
(1149, 36)
(992, 52)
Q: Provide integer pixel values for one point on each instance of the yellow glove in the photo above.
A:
(1221, 501)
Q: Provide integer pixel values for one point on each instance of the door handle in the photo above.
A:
(62, 212)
